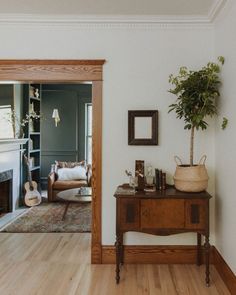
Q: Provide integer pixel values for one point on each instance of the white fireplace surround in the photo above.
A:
(10, 158)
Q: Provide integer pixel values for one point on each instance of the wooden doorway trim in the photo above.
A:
(69, 71)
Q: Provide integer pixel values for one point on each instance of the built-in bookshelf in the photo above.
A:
(32, 104)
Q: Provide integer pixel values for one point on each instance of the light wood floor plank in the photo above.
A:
(59, 264)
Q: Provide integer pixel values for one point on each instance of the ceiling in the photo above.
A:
(110, 7)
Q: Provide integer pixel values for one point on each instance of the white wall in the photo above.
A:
(139, 60)
(225, 44)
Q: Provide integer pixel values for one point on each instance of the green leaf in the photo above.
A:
(224, 123)
(221, 59)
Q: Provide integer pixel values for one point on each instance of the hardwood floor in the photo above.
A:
(59, 264)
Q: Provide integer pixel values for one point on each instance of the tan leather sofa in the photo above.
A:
(55, 186)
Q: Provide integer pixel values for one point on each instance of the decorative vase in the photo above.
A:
(31, 125)
(31, 91)
(191, 178)
(132, 182)
(149, 180)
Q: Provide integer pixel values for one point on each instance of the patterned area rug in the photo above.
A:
(47, 217)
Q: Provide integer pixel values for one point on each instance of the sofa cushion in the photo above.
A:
(67, 184)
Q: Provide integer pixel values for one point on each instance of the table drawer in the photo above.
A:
(162, 214)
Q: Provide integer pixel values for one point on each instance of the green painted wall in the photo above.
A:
(65, 142)
(6, 94)
(12, 94)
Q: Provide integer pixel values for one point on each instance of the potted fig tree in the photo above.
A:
(197, 92)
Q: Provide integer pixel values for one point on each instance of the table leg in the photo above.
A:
(121, 250)
(207, 258)
(65, 211)
(118, 256)
(199, 252)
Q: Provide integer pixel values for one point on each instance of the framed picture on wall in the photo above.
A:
(143, 127)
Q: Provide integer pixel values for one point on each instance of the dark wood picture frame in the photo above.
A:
(131, 127)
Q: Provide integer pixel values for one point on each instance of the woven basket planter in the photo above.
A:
(191, 178)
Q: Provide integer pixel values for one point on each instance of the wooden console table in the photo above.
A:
(162, 213)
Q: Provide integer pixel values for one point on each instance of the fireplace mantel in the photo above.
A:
(14, 141)
(11, 144)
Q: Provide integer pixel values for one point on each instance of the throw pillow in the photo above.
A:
(76, 173)
(61, 164)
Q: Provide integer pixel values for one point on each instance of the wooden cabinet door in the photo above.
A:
(196, 212)
(128, 215)
(162, 214)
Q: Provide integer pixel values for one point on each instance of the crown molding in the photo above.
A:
(101, 20)
(113, 20)
(215, 9)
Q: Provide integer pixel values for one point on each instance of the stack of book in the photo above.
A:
(160, 178)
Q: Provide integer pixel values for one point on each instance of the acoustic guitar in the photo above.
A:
(32, 196)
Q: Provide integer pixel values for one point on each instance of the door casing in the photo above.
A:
(71, 71)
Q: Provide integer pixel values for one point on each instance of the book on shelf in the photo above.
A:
(157, 178)
(160, 179)
(163, 181)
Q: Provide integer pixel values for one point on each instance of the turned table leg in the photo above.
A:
(207, 258)
(199, 252)
(118, 258)
(121, 250)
